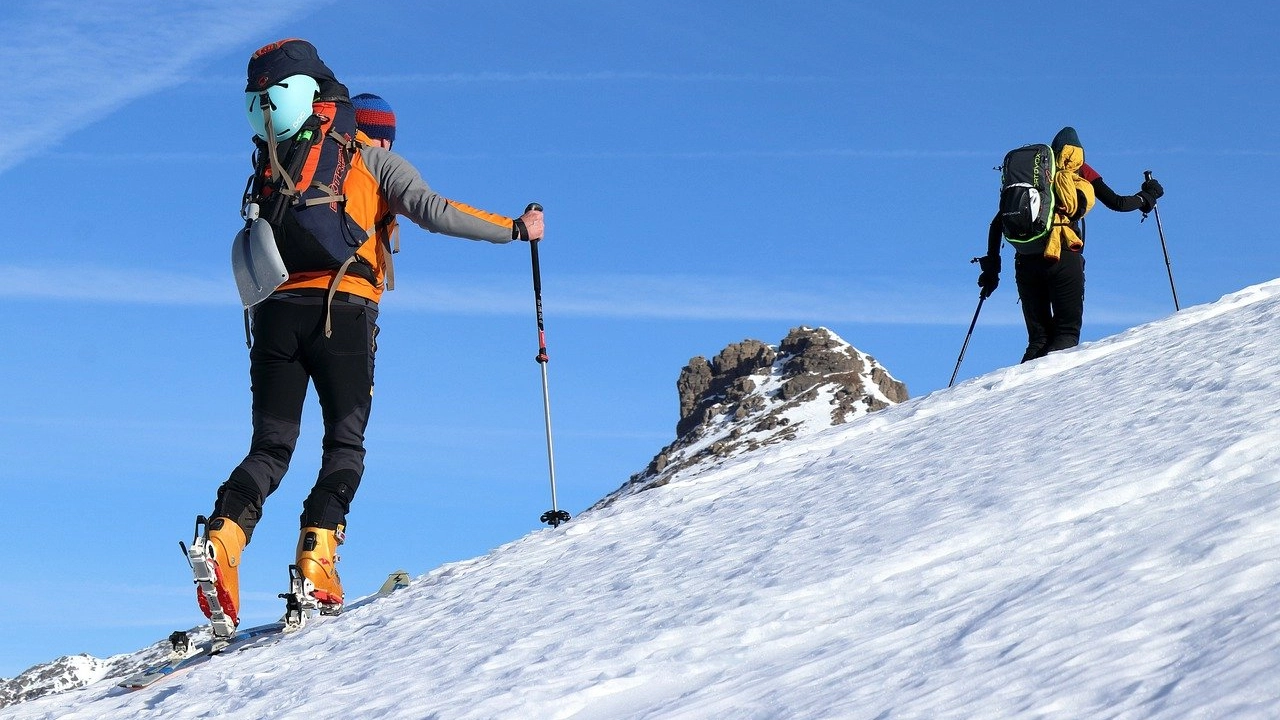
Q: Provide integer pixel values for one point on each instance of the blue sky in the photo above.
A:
(711, 172)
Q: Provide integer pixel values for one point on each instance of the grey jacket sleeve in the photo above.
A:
(409, 195)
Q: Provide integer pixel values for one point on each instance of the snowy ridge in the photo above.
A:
(1096, 534)
(76, 671)
(63, 674)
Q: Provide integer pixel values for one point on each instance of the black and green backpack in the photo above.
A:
(1026, 197)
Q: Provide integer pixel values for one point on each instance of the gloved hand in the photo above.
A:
(1151, 192)
(989, 280)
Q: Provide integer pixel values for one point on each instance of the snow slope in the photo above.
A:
(1093, 535)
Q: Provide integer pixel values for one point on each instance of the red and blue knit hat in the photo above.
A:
(375, 117)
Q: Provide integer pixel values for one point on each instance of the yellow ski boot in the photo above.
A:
(317, 561)
(224, 542)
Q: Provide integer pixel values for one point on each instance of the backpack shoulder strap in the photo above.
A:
(345, 145)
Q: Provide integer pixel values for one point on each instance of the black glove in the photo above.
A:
(989, 280)
(1151, 192)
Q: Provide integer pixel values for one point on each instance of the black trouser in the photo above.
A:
(290, 349)
(1052, 296)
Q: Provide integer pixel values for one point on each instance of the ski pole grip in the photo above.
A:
(533, 242)
(1146, 174)
(529, 208)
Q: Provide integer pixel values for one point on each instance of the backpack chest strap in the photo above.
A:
(328, 197)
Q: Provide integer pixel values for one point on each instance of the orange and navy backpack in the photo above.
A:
(300, 193)
(298, 230)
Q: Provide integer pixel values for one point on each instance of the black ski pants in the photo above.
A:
(1052, 297)
(289, 351)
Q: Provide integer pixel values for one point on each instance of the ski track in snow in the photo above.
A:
(1093, 535)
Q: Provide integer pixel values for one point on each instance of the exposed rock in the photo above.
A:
(725, 380)
(751, 395)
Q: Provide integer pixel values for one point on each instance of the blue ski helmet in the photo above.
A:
(290, 100)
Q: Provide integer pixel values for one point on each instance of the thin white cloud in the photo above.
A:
(641, 76)
(766, 153)
(157, 156)
(797, 297)
(67, 63)
(720, 154)
(96, 284)
(888, 154)
(686, 297)
(591, 77)
(604, 77)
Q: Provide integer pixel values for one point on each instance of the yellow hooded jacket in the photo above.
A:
(1074, 198)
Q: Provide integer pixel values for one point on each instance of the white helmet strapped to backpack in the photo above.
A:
(287, 104)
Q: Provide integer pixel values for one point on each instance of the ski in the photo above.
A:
(184, 655)
(395, 581)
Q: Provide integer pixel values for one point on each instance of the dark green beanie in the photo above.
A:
(1066, 136)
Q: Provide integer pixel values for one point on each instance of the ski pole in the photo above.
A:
(554, 516)
(1160, 228)
(981, 299)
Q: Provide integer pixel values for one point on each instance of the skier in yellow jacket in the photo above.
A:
(1051, 279)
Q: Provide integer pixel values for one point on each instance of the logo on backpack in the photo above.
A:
(1027, 197)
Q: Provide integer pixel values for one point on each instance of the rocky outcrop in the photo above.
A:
(752, 394)
(704, 387)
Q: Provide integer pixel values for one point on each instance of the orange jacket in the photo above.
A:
(381, 185)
